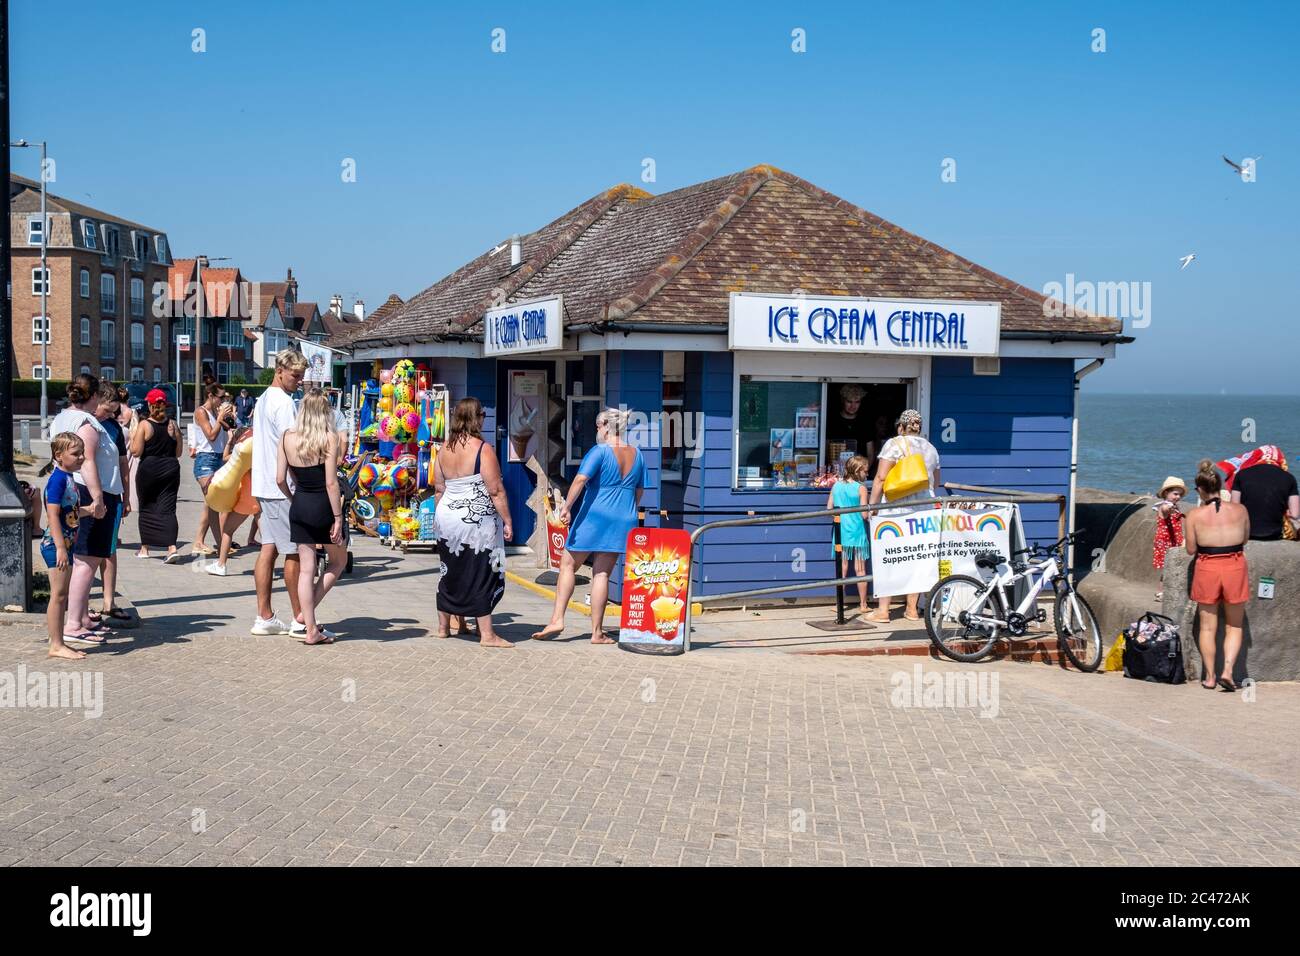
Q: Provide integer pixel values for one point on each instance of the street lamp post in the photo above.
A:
(45, 282)
(200, 262)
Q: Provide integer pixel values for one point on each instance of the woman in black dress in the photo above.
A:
(156, 445)
(309, 452)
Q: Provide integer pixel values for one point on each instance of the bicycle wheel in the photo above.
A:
(1077, 630)
(945, 603)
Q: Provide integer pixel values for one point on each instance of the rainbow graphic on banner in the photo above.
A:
(991, 522)
(888, 529)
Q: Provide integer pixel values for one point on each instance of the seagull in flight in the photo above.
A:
(1186, 261)
(1241, 168)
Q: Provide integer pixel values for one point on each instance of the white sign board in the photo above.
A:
(908, 544)
(183, 343)
(843, 324)
(523, 327)
(318, 363)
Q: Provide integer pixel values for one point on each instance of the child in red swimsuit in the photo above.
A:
(1169, 523)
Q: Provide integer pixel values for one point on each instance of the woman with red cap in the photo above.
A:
(156, 445)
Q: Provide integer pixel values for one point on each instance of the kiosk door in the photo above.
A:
(522, 434)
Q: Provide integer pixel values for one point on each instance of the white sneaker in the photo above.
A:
(272, 625)
(218, 569)
(299, 629)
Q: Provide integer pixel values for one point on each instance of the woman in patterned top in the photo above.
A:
(63, 513)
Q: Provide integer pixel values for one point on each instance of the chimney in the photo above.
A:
(336, 305)
(291, 294)
(516, 251)
(359, 310)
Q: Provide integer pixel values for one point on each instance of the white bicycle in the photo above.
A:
(965, 615)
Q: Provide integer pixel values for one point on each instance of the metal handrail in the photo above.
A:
(1000, 496)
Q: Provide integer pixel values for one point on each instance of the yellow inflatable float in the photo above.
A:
(230, 487)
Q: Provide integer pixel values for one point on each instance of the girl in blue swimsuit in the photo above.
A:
(610, 482)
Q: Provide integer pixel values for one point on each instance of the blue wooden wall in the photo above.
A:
(1010, 430)
(635, 379)
(1007, 431)
(481, 383)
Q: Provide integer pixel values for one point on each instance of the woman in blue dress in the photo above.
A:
(610, 482)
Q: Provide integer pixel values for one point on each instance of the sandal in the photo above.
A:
(116, 614)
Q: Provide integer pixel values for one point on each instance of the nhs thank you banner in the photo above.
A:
(911, 548)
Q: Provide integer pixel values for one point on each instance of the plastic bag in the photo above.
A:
(1115, 656)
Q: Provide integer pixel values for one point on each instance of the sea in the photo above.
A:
(1131, 443)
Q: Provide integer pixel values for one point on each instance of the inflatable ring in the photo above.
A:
(365, 509)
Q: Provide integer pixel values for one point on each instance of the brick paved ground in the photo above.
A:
(395, 748)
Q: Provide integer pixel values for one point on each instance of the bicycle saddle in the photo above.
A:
(988, 559)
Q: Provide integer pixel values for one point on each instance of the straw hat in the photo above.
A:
(1170, 483)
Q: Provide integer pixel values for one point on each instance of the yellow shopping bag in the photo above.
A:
(1115, 656)
(908, 476)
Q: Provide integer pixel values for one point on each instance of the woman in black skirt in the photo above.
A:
(156, 445)
(309, 452)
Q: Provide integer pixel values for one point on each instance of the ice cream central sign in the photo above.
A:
(524, 327)
(843, 324)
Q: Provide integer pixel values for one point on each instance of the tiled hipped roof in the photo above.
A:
(628, 257)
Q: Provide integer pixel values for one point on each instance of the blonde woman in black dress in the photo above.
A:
(309, 453)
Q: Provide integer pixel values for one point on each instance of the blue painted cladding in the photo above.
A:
(635, 379)
(1011, 430)
(481, 383)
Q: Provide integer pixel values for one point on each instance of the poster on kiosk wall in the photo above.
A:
(656, 573)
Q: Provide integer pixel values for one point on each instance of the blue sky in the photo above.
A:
(1103, 165)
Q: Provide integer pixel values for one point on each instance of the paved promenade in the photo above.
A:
(392, 747)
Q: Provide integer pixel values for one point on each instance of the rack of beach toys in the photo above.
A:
(401, 425)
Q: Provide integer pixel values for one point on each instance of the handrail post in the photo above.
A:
(839, 570)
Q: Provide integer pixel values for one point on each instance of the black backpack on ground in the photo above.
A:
(1158, 657)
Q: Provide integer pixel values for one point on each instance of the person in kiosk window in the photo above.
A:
(1217, 533)
(849, 423)
(610, 481)
(907, 442)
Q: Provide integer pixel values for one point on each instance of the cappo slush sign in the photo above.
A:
(532, 326)
(844, 324)
(656, 574)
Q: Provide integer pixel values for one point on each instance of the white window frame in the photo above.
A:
(107, 372)
(107, 336)
(107, 292)
(137, 355)
(157, 338)
(160, 245)
(223, 371)
(40, 323)
(85, 369)
(90, 233)
(141, 247)
(34, 235)
(912, 371)
(36, 280)
(569, 454)
(157, 373)
(137, 374)
(735, 427)
(85, 330)
(137, 303)
(36, 372)
(85, 283)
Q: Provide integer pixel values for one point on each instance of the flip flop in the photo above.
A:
(116, 614)
(1226, 684)
(87, 638)
(323, 640)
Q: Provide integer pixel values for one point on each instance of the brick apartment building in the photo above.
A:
(104, 273)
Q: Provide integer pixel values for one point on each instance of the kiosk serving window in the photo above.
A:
(779, 433)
